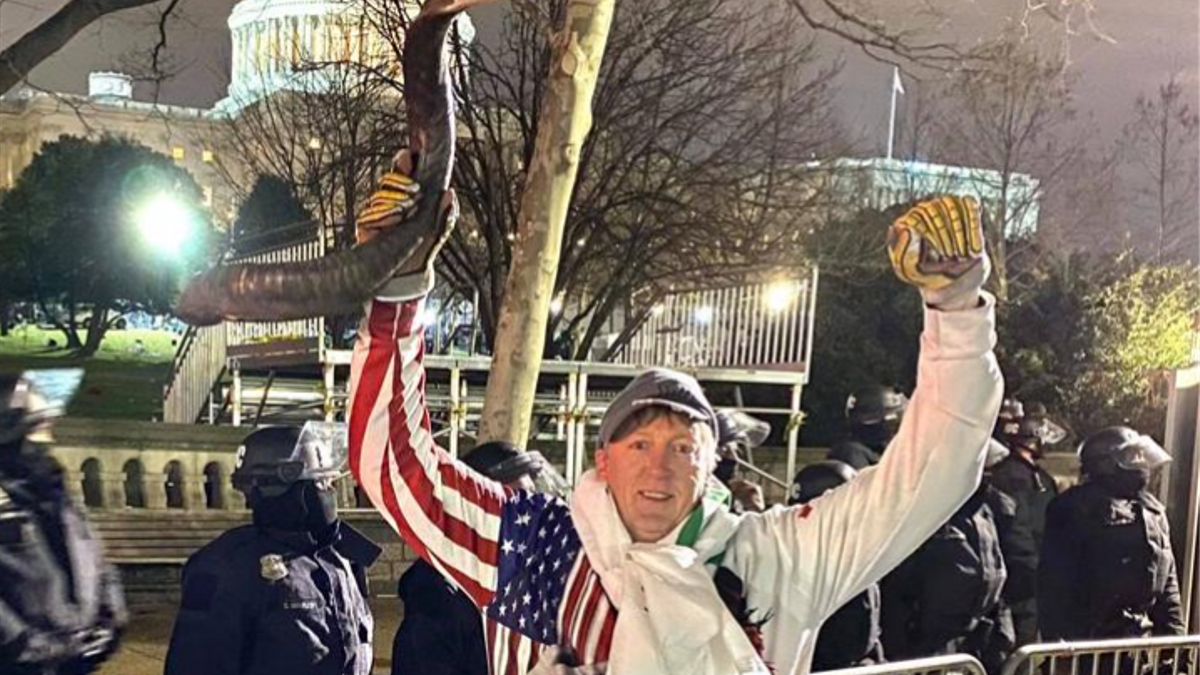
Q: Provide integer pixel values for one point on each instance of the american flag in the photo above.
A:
(538, 547)
(515, 554)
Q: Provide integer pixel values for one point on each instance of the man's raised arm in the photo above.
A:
(445, 512)
(833, 548)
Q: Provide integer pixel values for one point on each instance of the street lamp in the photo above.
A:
(165, 222)
(780, 295)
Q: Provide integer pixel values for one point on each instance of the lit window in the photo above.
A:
(207, 156)
(208, 196)
(177, 153)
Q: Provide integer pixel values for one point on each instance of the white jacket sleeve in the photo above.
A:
(800, 564)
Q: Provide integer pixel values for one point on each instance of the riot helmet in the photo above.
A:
(272, 459)
(1120, 449)
(874, 415)
(737, 433)
(1018, 426)
(29, 404)
(288, 476)
(31, 401)
(818, 478)
(506, 463)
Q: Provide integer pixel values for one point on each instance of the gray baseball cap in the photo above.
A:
(658, 387)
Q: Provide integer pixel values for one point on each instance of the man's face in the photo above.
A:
(657, 474)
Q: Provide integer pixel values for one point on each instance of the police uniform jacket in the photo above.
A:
(946, 598)
(851, 637)
(442, 631)
(259, 601)
(55, 587)
(1032, 488)
(1107, 570)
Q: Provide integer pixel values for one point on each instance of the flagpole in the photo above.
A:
(892, 117)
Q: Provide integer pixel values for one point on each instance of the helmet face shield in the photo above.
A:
(318, 453)
(883, 406)
(39, 397)
(323, 448)
(1141, 454)
(549, 481)
(996, 453)
(1046, 431)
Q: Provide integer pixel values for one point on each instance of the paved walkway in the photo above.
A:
(144, 648)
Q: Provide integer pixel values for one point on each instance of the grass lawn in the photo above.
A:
(122, 381)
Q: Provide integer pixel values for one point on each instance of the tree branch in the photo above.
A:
(22, 56)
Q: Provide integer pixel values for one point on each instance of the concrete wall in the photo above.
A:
(103, 460)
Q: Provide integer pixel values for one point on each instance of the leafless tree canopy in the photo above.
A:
(329, 141)
(21, 57)
(702, 110)
(1160, 147)
(1011, 115)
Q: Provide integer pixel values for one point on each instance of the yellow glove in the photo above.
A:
(936, 241)
(394, 198)
(938, 246)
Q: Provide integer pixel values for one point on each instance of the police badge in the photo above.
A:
(271, 567)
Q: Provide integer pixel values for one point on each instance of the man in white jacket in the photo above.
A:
(639, 573)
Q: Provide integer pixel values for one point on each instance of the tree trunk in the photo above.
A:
(96, 328)
(71, 329)
(565, 121)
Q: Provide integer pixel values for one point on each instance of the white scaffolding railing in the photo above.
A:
(203, 352)
(198, 364)
(765, 325)
(953, 664)
(240, 333)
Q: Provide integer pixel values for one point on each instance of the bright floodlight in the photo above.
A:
(780, 295)
(165, 223)
(704, 315)
(429, 316)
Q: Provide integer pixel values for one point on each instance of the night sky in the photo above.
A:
(1153, 39)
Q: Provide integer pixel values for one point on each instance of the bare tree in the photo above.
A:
(704, 112)
(1160, 146)
(1010, 116)
(21, 57)
(329, 137)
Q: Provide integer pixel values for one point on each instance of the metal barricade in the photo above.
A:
(953, 664)
(1175, 655)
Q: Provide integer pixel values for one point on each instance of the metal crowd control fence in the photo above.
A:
(954, 664)
(1174, 655)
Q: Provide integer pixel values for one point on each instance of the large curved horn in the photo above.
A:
(339, 283)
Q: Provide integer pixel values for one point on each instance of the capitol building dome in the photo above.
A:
(276, 44)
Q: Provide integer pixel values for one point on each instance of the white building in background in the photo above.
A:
(879, 183)
(278, 45)
(29, 118)
(297, 45)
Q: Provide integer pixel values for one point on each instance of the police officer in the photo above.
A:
(737, 434)
(1026, 433)
(873, 414)
(286, 594)
(1106, 569)
(947, 597)
(61, 605)
(851, 637)
(442, 630)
